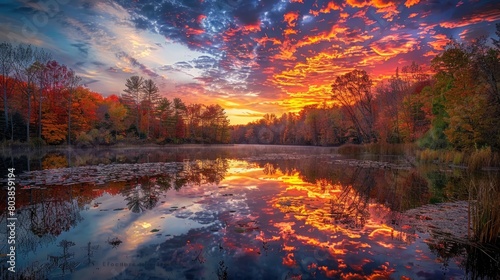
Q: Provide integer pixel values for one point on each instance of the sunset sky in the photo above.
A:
(251, 57)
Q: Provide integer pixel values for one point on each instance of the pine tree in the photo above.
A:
(133, 96)
(150, 99)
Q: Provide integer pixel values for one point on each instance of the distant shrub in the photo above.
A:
(84, 140)
(480, 158)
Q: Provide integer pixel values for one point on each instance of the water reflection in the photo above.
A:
(252, 219)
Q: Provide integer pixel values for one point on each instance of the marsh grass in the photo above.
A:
(480, 158)
(484, 211)
(458, 158)
(427, 156)
(475, 160)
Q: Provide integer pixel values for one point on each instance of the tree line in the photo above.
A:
(456, 107)
(45, 102)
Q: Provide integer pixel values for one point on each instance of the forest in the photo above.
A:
(455, 105)
(45, 103)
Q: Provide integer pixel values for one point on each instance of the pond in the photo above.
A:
(235, 212)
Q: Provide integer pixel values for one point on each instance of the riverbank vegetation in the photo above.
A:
(46, 103)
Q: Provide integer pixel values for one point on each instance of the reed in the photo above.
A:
(484, 199)
(427, 156)
(480, 158)
(458, 158)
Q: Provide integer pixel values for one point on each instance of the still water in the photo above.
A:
(234, 213)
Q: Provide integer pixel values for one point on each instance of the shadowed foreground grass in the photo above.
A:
(484, 202)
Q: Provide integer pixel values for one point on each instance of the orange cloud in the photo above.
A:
(291, 18)
(392, 45)
(251, 27)
(331, 6)
(357, 3)
(439, 42)
(412, 15)
(381, 3)
(410, 3)
(491, 15)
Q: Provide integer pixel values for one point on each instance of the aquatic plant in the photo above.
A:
(480, 158)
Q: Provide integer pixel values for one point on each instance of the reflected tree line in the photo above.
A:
(399, 190)
(47, 212)
(62, 158)
(146, 192)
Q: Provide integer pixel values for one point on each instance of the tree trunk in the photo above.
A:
(149, 119)
(5, 109)
(69, 119)
(28, 118)
(40, 114)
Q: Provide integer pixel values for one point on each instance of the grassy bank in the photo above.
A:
(475, 160)
(484, 158)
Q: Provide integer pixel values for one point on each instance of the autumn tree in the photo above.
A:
(25, 69)
(179, 112)
(6, 69)
(464, 96)
(72, 82)
(194, 120)
(164, 113)
(353, 92)
(111, 117)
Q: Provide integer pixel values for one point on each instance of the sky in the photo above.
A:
(252, 57)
